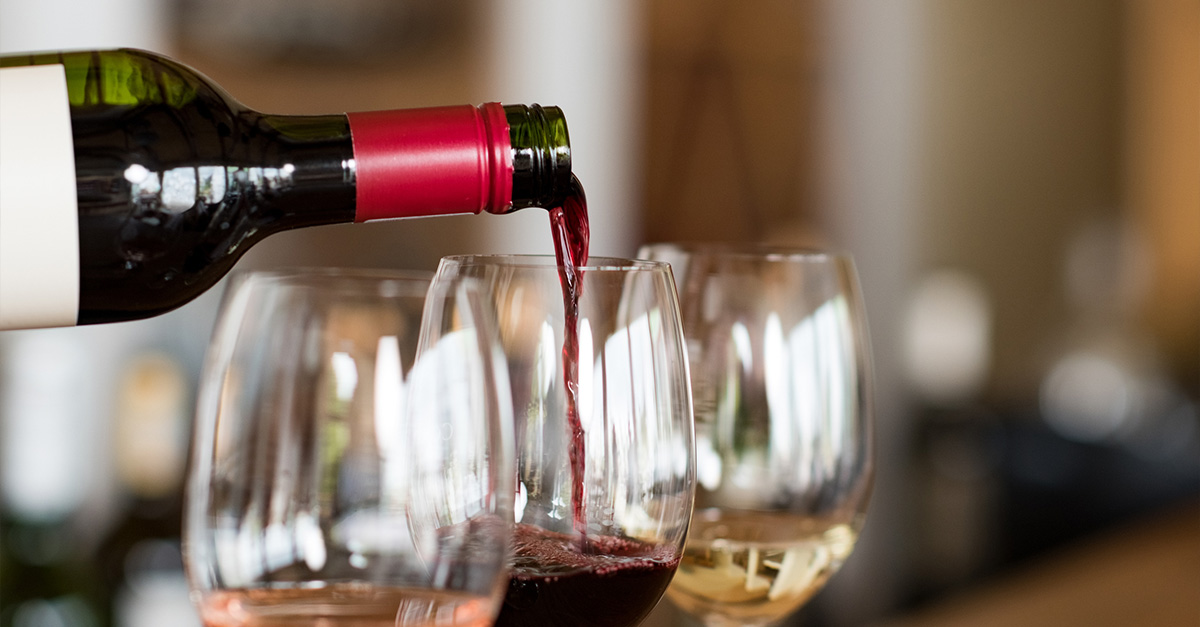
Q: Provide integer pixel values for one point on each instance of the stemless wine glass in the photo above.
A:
(780, 366)
(353, 461)
(605, 558)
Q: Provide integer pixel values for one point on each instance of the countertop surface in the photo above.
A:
(1145, 573)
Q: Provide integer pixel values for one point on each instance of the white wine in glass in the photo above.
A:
(780, 367)
(754, 564)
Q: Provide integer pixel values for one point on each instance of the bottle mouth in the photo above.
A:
(541, 150)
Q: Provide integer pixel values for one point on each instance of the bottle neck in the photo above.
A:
(311, 180)
(541, 156)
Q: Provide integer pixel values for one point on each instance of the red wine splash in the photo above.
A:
(569, 227)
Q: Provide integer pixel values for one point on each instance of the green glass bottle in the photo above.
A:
(130, 183)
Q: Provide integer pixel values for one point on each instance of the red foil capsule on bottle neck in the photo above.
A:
(435, 161)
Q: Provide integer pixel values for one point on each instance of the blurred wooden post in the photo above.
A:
(1162, 169)
(730, 121)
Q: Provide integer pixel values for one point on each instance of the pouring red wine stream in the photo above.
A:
(571, 232)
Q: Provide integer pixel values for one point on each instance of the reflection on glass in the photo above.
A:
(353, 456)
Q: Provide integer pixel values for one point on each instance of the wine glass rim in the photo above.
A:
(594, 264)
(769, 252)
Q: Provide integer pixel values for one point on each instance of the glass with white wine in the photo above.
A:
(781, 381)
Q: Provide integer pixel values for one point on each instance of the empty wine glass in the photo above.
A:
(600, 391)
(353, 458)
(780, 366)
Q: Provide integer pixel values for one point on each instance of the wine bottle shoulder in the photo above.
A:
(126, 77)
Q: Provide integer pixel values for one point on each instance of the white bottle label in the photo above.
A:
(39, 217)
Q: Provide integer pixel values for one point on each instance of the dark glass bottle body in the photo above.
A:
(176, 180)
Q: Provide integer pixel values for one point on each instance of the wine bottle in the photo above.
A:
(130, 183)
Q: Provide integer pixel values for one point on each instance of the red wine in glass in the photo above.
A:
(615, 584)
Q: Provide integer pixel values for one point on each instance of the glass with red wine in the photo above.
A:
(603, 419)
(353, 459)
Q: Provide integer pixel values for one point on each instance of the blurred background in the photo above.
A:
(1018, 180)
